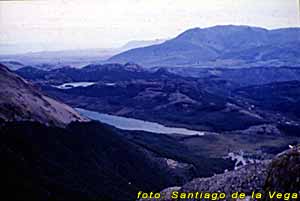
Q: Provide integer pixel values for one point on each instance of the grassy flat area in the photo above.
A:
(220, 145)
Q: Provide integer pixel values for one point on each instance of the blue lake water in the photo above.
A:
(71, 85)
(126, 123)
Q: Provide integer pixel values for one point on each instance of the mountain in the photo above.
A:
(21, 101)
(141, 43)
(221, 46)
(48, 60)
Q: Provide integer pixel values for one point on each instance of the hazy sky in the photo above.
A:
(54, 25)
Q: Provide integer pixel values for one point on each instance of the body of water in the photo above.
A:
(126, 123)
(71, 85)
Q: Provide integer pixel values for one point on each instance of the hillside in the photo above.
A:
(160, 97)
(84, 161)
(21, 101)
(281, 175)
(92, 73)
(163, 94)
(221, 46)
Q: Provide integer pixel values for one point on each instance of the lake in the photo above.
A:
(71, 85)
(126, 123)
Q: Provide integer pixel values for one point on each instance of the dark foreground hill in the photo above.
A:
(84, 161)
(91, 161)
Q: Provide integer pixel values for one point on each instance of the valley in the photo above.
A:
(207, 110)
(201, 102)
(232, 113)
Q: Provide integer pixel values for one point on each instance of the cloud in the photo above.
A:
(111, 23)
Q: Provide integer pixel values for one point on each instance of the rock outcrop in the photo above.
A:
(282, 174)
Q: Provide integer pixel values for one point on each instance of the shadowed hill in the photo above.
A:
(84, 161)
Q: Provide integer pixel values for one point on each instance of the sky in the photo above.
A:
(40, 25)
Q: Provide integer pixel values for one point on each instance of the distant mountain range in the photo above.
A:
(221, 46)
(218, 46)
(77, 58)
(141, 43)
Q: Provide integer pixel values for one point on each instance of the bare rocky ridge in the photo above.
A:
(245, 179)
(20, 101)
(282, 174)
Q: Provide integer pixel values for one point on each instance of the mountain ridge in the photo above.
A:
(207, 47)
(21, 101)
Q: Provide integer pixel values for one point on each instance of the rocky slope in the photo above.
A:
(280, 175)
(284, 173)
(21, 101)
